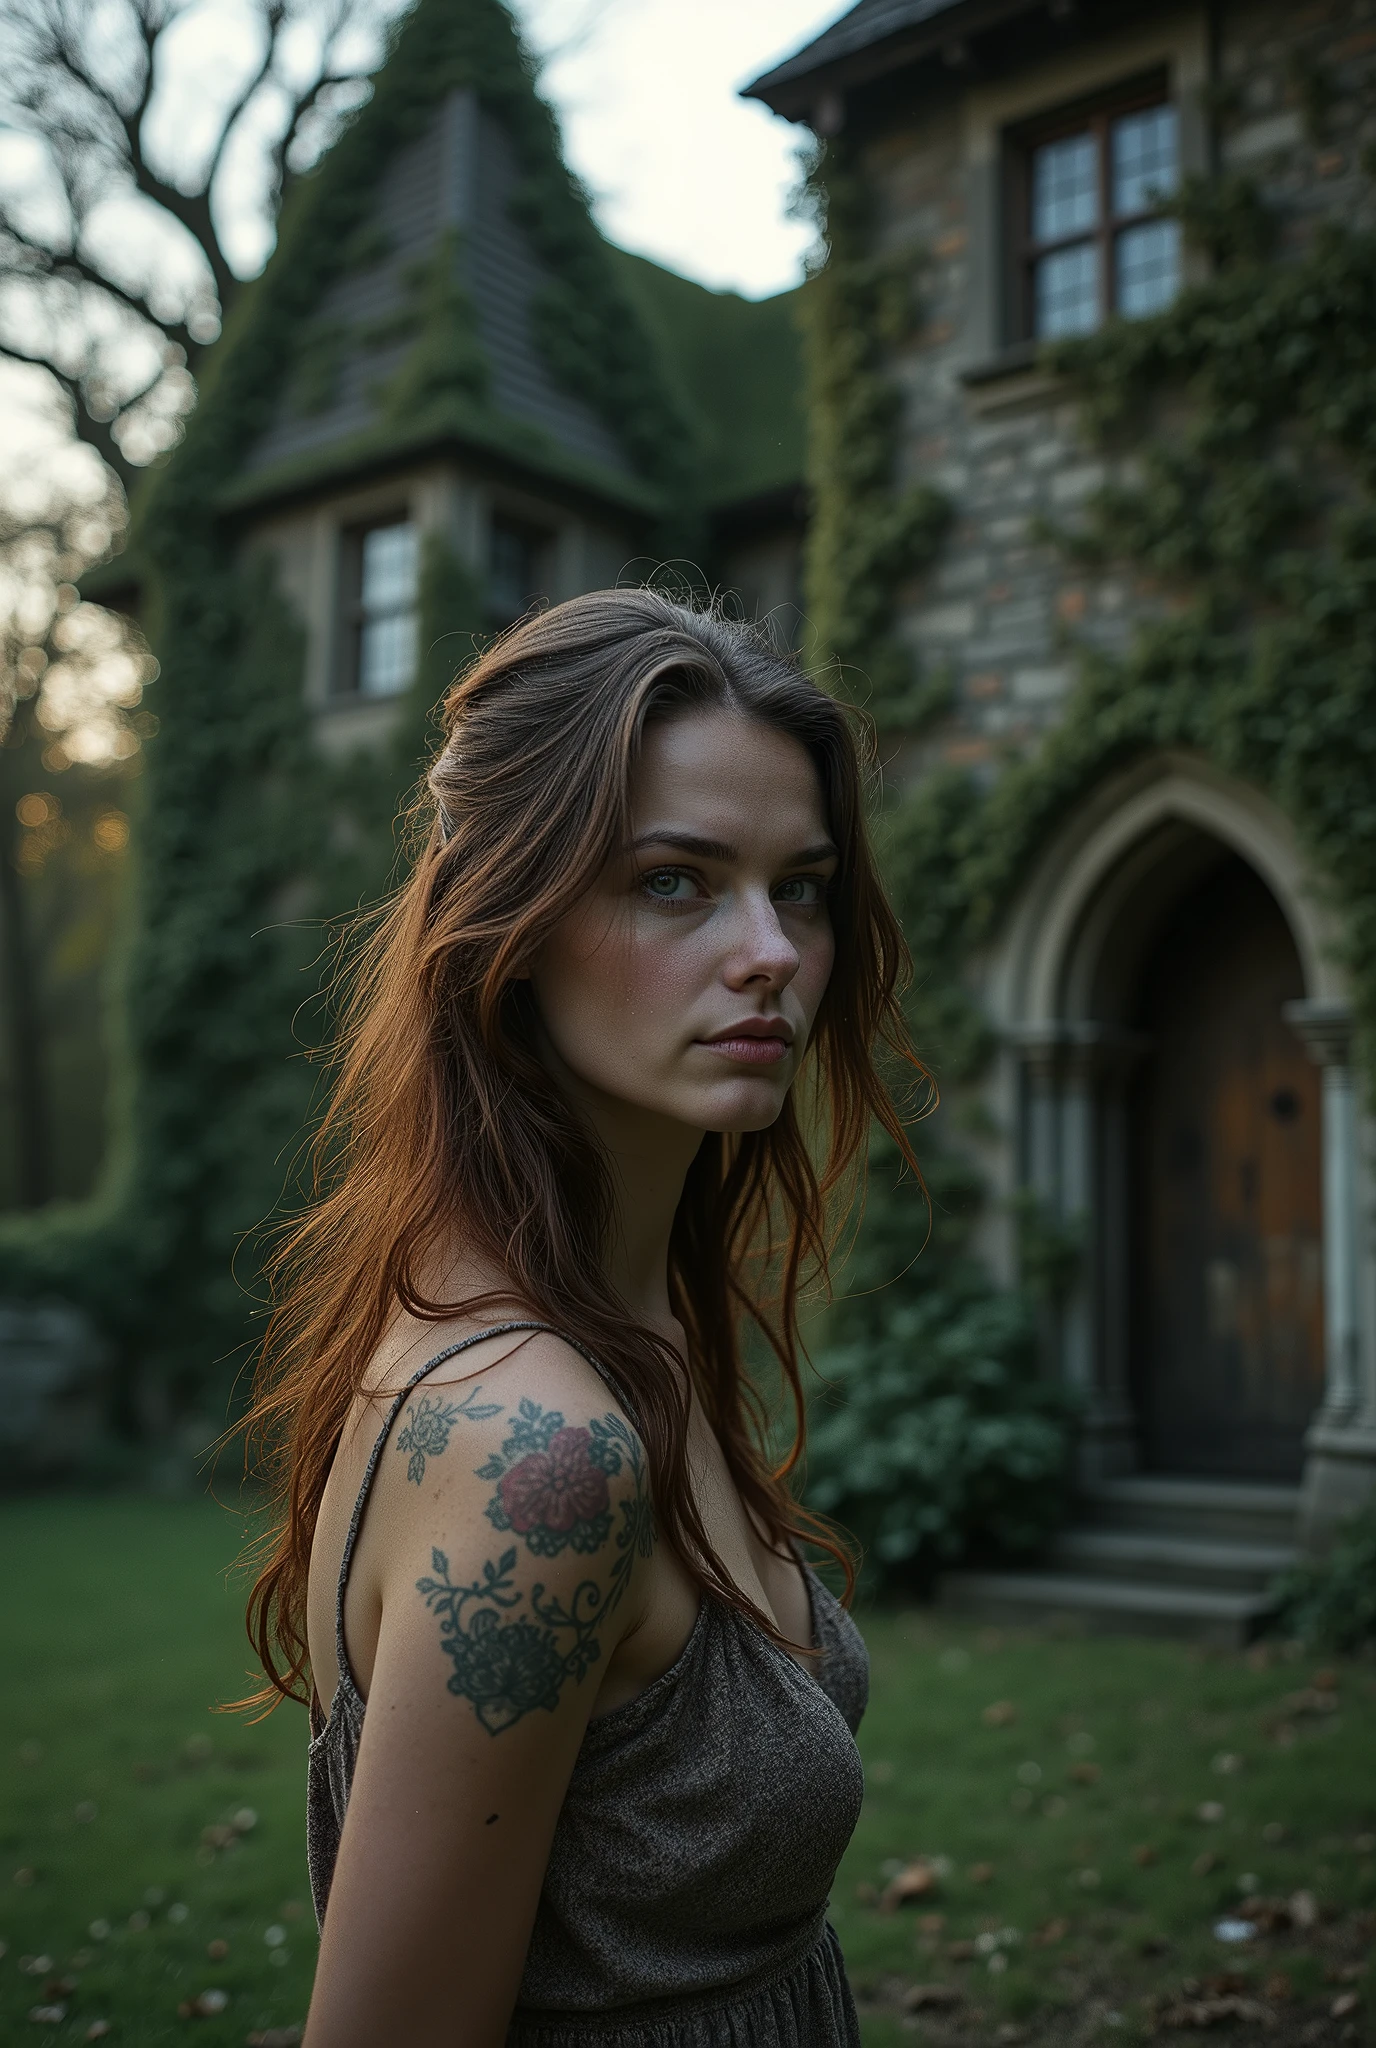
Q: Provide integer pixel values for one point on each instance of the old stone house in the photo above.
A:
(1172, 1015)
(449, 395)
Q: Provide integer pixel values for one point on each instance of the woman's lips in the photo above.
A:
(750, 1049)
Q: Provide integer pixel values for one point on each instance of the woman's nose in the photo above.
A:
(761, 948)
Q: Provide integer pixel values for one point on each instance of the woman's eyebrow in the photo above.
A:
(718, 849)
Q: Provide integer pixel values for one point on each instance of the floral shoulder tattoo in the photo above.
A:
(511, 1652)
(429, 1420)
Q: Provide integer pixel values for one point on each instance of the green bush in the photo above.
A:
(1330, 1601)
(942, 1440)
(934, 1436)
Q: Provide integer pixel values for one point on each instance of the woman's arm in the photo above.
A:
(510, 1566)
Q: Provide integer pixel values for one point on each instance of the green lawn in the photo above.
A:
(1074, 1878)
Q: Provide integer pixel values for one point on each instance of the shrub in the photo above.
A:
(1331, 1601)
(934, 1436)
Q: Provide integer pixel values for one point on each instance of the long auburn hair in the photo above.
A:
(442, 1121)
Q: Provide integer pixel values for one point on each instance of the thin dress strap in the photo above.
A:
(356, 1519)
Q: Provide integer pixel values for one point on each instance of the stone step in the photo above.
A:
(1151, 1558)
(1121, 1606)
(1216, 1510)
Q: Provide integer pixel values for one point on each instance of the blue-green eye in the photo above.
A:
(669, 885)
(801, 892)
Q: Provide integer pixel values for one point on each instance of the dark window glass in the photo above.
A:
(514, 568)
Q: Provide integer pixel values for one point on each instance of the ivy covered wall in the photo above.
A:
(250, 844)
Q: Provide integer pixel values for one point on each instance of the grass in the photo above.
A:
(1066, 1832)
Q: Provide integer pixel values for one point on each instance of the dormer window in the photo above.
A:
(382, 594)
(1087, 189)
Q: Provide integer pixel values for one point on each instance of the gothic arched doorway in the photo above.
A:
(1226, 1349)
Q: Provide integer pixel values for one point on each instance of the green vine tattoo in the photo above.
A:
(509, 1664)
(428, 1423)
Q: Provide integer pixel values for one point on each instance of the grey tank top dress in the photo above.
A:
(684, 1904)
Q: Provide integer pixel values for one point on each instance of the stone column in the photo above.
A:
(1340, 1469)
(1075, 1163)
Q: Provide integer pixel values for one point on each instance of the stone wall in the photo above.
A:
(1284, 97)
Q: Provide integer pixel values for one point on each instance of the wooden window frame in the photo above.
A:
(1094, 114)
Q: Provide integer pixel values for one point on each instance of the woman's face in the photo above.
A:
(685, 983)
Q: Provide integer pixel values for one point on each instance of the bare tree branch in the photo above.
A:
(96, 433)
(90, 100)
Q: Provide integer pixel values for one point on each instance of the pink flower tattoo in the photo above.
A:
(555, 1488)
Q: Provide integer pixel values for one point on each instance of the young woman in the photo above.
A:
(587, 1767)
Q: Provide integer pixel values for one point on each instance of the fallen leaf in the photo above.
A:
(1085, 1774)
(1278, 1987)
(914, 1881)
(217, 1950)
(24, 1877)
(1051, 1933)
(920, 1995)
(1000, 1714)
(1213, 2012)
(1311, 1699)
(97, 2030)
(203, 2006)
(48, 2015)
(961, 1951)
(1343, 2005)
(981, 1873)
(1144, 1854)
(931, 1923)
(1304, 1909)
(1202, 1865)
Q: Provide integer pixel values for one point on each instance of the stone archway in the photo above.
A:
(1127, 874)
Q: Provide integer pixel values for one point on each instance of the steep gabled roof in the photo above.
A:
(874, 37)
(735, 370)
(438, 279)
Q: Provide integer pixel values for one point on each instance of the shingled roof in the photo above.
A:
(875, 36)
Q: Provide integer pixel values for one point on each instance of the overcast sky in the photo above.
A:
(680, 167)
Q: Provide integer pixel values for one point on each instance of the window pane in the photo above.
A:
(1066, 296)
(1147, 262)
(389, 567)
(1065, 188)
(1146, 159)
(512, 570)
(387, 654)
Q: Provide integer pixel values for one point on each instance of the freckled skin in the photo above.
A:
(672, 947)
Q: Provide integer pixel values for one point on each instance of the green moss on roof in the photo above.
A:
(735, 367)
(448, 423)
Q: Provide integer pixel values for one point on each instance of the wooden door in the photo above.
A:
(1228, 1258)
